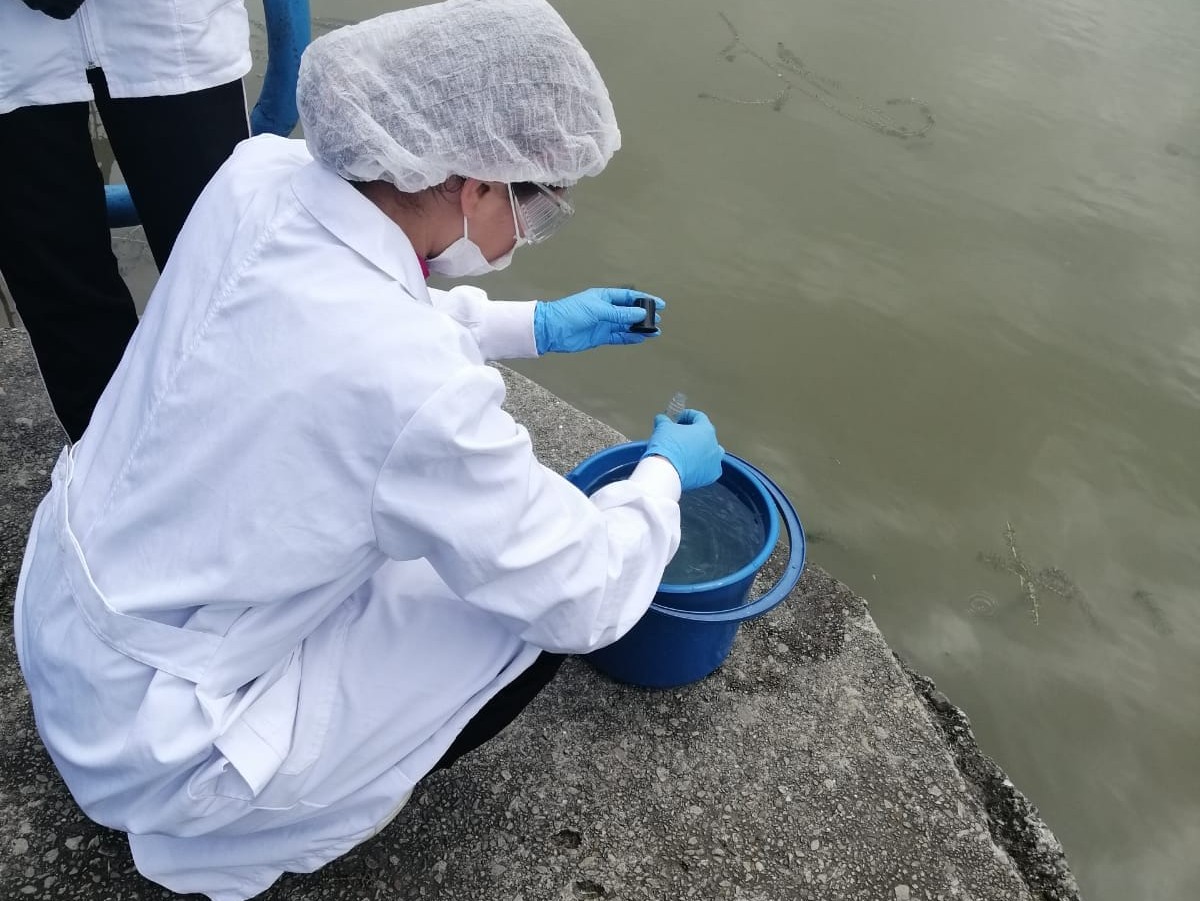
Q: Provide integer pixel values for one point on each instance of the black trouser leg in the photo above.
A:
(55, 250)
(503, 708)
(168, 148)
(56, 256)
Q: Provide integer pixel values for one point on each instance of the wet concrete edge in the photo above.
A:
(1013, 820)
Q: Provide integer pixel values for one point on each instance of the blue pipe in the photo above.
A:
(121, 212)
(289, 29)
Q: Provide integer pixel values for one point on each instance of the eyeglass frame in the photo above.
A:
(567, 210)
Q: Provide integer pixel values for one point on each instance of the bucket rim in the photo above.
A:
(749, 474)
(792, 570)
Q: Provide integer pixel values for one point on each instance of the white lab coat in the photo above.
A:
(301, 543)
(145, 49)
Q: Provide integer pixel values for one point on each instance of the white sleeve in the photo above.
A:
(503, 329)
(461, 487)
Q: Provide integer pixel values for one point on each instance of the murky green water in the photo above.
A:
(971, 355)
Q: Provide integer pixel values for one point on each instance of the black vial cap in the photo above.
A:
(647, 324)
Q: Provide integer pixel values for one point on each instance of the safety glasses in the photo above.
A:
(542, 211)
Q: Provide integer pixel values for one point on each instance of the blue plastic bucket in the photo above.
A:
(689, 629)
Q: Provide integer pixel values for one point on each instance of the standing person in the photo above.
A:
(166, 78)
(302, 556)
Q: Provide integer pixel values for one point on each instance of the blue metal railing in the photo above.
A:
(289, 29)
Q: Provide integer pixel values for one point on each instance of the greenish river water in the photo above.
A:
(970, 355)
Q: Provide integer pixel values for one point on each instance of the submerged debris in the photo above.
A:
(794, 75)
(1153, 611)
(1051, 579)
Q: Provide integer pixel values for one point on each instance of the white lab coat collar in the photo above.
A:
(360, 225)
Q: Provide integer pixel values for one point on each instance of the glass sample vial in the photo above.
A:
(676, 405)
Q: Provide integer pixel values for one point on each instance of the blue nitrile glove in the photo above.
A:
(689, 445)
(589, 319)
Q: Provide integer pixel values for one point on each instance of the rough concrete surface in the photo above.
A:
(812, 765)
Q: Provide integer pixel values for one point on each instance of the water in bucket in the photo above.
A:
(720, 534)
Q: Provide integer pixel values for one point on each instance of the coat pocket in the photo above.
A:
(323, 652)
(189, 12)
(263, 758)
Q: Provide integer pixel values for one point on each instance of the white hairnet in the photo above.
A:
(498, 90)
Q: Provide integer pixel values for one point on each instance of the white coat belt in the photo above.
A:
(259, 739)
(185, 653)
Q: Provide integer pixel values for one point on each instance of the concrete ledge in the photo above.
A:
(813, 765)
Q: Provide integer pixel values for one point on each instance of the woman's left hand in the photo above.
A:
(589, 319)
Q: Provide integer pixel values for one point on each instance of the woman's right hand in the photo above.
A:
(690, 445)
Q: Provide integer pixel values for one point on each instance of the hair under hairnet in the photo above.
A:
(498, 90)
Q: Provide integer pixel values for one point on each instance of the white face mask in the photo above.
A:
(464, 258)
